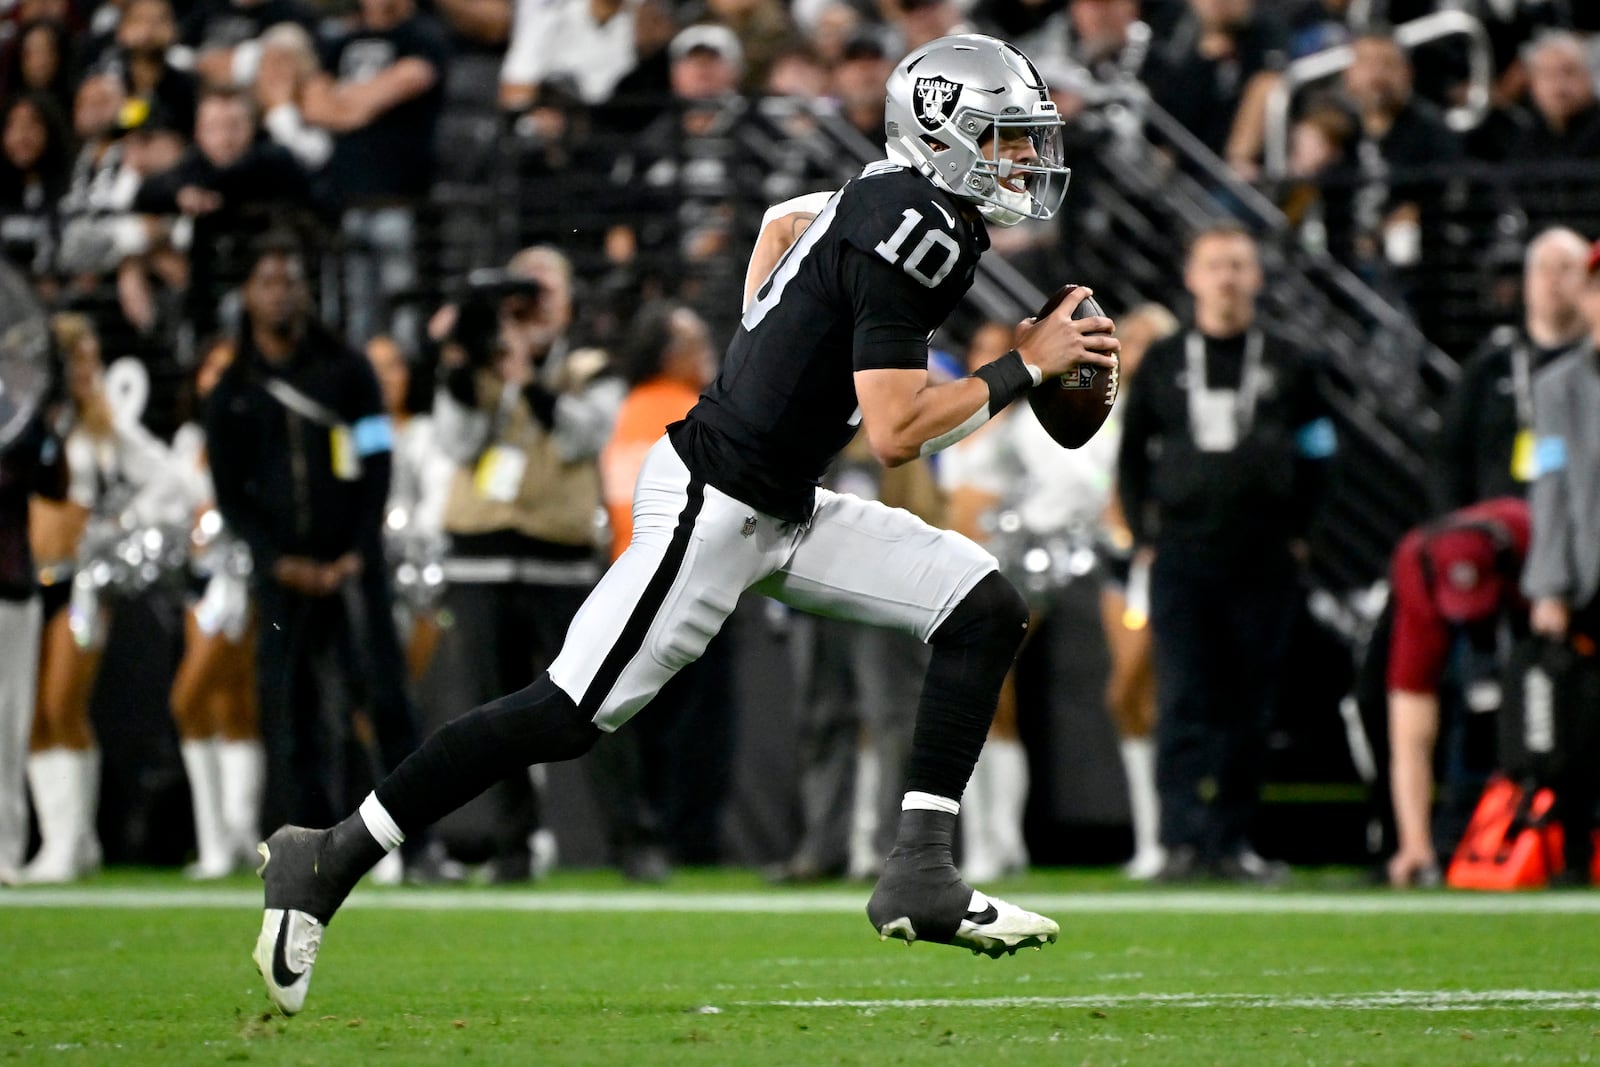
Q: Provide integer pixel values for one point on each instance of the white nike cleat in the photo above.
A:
(994, 928)
(298, 906)
(285, 952)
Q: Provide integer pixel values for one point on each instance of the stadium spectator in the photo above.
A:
(1453, 586)
(233, 187)
(585, 45)
(797, 73)
(144, 37)
(1222, 53)
(1486, 441)
(1563, 572)
(224, 33)
(1563, 121)
(1402, 142)
(102, 236)
(300, 457)
(523, 413)
(857, 83)
(40, 60)
(288, 63)
(1225, 441)
(681, 180)
(34, 159)
(763, 29)
(917, 22)
(33, 464)
(380, 94)
(637, 97)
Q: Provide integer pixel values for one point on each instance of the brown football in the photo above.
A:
(1074, 406)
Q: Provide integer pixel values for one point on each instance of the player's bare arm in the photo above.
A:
(903, 413)
(777, 236)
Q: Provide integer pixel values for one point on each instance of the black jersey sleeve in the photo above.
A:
(891, 319)
(905, 265)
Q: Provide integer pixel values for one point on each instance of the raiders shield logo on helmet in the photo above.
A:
(936, 101)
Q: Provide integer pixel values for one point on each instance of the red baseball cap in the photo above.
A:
(1467, 581)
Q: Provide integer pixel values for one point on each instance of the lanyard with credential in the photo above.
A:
(1522, 384)
(1244, 405)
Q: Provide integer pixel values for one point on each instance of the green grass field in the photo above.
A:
(718, 969)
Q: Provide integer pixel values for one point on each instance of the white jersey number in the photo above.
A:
(916, 264)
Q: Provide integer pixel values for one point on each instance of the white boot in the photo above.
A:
(1008, 792)
(214, 855)
(57, 803)
(242, 768)
(1139, 763)
(89, 855)
(863, 850)
(981, 860)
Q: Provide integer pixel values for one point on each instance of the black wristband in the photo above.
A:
(1007, 378)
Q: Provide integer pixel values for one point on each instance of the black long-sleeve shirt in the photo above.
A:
(34, 463)
(274, 467)
(1230, 505)
(1474, 456)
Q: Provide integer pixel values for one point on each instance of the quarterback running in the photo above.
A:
(832, 342)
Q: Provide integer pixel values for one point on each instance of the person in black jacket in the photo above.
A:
(1223, 446)
(235, 187)
(1485, 447)
(300, 452)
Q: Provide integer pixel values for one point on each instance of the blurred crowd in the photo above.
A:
(282, 396)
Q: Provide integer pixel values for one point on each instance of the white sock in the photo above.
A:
(1139, 763)
(205, 794)
(915, 801)
(1008, 797)
(980, 854)
(89, 855)
(243, 768)
(863, 849)
(380, 824)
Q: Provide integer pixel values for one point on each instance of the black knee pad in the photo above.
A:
(992, 615)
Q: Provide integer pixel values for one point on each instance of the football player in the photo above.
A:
(835, 339)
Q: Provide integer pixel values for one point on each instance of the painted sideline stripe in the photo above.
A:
(780, 902)
(1412, 999)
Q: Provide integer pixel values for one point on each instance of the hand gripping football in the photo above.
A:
(1074, 406)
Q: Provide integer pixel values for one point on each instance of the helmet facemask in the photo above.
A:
(1008, 189)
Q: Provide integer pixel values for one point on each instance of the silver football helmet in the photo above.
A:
(973, 115)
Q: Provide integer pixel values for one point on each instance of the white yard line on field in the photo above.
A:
(786, 902)
(1409, 999)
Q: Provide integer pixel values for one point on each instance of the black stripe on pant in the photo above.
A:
(631, 639)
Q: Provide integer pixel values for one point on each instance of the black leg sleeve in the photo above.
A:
(972, 651)
(539, 724)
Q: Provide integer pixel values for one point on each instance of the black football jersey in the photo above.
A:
(876, 272)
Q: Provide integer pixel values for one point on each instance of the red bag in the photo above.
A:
(1511, 842)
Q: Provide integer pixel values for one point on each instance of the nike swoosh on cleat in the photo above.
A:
(281, 974)
(984, 917)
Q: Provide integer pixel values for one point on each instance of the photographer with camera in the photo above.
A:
(523, 414)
